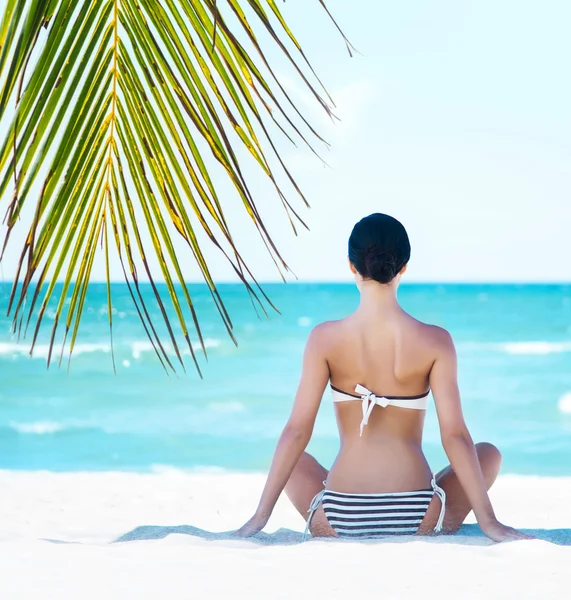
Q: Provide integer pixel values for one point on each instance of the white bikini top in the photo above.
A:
(369, 400)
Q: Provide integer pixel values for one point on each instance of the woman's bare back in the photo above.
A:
(391, 357)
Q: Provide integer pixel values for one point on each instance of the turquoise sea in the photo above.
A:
(513, 341)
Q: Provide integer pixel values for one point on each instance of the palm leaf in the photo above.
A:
(128, 112)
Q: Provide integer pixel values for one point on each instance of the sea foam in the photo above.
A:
(137, 348)
(564, 403)
(140, 347)
(227, 407)
(540, 347)
(38, 427)
(162, 469)
(536, 347)
(42, 350)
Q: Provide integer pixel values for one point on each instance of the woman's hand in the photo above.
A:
(502, 533)
(253, 526)
(298, 430)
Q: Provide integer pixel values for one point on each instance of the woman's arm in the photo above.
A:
(296, 433)
(457, 441)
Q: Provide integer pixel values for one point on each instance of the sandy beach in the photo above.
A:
(166, 535)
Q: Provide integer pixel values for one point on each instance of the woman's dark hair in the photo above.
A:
(379, 247)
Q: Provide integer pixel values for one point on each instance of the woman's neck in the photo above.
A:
(378, 299)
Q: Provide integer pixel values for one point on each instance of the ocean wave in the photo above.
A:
(135, 349)
(564, 403)
(55, 427)
(203, 470)
(37, 427)
(540, 347)
(227, 407)
(141, 347)
(519, 348)
(42, 350)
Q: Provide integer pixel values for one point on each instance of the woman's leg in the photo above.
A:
(306, 481)
(457, 504)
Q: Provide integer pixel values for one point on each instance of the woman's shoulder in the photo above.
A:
(326, 328)
(434, 335)
(326, 332)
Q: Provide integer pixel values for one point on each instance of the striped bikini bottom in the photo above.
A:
(376, 515)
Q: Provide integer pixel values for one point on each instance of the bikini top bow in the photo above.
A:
(368, 403)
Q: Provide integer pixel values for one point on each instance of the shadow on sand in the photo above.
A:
(468, 535)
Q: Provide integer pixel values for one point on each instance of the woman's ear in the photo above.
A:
(352, 267)
(403, 270)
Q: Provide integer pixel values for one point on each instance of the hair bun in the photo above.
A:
(381, 266)
(379, 247)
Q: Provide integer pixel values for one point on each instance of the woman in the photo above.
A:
(380, 483)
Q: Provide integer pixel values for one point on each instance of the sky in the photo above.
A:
(454, 117)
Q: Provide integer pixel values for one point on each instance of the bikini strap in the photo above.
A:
(313, 506)
(442, 495)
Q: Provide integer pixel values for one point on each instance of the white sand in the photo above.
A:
(58, 534)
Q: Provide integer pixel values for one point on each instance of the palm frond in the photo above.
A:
(134, 115)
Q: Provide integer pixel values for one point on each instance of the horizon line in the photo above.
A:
(330, 282)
